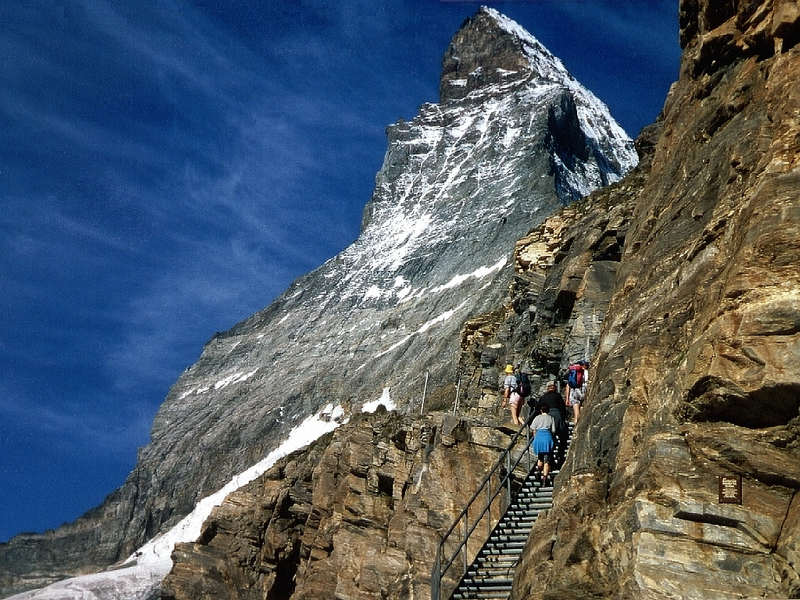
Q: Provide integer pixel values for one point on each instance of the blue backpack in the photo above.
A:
(575, 377)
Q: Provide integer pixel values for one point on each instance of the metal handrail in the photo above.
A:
(442, 564)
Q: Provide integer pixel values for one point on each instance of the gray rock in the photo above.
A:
(459, 184)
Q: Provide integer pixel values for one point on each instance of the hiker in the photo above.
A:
(551, 399)
(526, 412)
(544, 427)
(577, 378)
(511, 395)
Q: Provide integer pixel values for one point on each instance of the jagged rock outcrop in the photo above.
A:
(357, 515)
(459, 184)
(564, 275)
(697, 365)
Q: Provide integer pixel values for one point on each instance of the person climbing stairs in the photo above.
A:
(491, 574)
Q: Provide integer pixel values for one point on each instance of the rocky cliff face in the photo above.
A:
(564, 275)
(696, 369)
(514, 138)
(358, 515)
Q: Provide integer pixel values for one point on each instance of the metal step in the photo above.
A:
(505, 545)
(491, 574)
(540, 497)
(519, 519)
(532, 494)
(509, 539)
(495, 561)
(522, 512)
(501, 551)
(521, 505)
(481, 595)
(536, 491)
(520, 530)
(495, 582)
(539, 505)
(492, 567)
(514, 525)
(521, 515)
(482, 587)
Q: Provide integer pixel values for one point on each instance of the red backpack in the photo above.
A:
(575, 376)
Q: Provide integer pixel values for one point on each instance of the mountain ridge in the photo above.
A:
(369, 322)
(458, 185)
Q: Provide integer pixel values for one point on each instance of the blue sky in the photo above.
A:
(168, 168)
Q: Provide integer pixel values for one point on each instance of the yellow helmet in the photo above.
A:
(509, 369)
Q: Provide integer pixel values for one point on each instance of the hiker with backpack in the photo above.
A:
(511, 395)
(524, 390)
(544, 427)
(551, 400)
(577, 378)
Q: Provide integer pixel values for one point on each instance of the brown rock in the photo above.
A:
(697, 368)
(356, 515)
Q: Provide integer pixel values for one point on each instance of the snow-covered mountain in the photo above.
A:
(513, 138)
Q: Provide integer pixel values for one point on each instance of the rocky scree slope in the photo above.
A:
(513, 138)
(697, 365)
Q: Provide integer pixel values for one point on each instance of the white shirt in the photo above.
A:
(544, 421)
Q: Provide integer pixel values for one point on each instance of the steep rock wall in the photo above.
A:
(357, 515)
(564, 276)
(697, 368)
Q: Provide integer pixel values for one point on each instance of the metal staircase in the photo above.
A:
(491, 572)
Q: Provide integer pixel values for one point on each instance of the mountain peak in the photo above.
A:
(492, 49)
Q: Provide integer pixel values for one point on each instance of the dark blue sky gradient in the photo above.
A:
(167, 169)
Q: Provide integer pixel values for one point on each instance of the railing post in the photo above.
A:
(436, 575)
(466, 526)
(424, 393)
(458, 391)
(508, 474)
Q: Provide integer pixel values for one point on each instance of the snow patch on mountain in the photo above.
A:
(189, 528)
(144, 570)
(478, 273)
(130, 583)
(385, 400)
(235, 378)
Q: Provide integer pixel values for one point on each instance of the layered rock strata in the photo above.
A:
(357, 515)
(514, 138)
(697, 371)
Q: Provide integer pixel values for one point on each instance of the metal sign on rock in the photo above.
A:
(730, 489)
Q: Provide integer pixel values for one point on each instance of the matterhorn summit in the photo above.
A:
(513, 138)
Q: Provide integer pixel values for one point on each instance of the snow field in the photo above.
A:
(143, 571)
